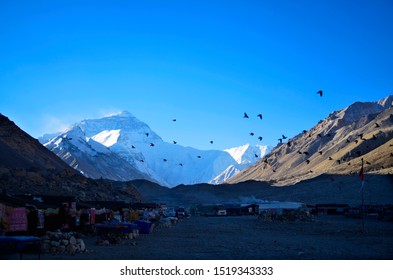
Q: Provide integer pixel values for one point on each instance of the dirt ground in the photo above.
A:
(247, 238)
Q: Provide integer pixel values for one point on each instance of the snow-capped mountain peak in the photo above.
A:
(124, 114)
(247, 154)
(125, 137)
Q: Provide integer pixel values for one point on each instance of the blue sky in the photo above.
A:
(204, 63)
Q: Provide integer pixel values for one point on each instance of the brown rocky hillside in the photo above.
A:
(335, 145)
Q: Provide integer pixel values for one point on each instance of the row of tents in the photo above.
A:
(36, 214)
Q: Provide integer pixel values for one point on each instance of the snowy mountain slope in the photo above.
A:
(90, 157)
(131, 144)
(247, 154)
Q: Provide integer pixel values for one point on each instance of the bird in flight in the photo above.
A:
(280, 140)
(252, 133)
(132, 146)
(284, 137)
(165, 159)
(174, 120)
(151, 145)
(211, 142)
(245, 116)
(260, 116)
(147, 134)
(320, 92)
(199, 156)
(260, 138)
(174, 142)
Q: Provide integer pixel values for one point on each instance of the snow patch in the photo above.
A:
(107, 137)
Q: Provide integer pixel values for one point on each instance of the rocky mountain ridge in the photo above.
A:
(336, 145)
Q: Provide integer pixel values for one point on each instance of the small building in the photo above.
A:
(332, 209)
(212, 210)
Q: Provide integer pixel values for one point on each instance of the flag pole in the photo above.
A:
(361, 176)
(362, 190)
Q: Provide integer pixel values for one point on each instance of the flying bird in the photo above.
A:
(330, 158)
(245, 116)
(165, 159)
(260, 116)
(181, 164)
(199, 156)
(320, 152)
(211, 142)
(151, 145)
(284, 137)
(320, 92)
(251, 133)
(376, 125)
(256, 155)
(260, 138)
(308, 161)
(147, 134)
(132, 146)
(174, 120)
(280, 140)
(174, 142)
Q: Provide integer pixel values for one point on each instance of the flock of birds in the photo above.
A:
(245, 116)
